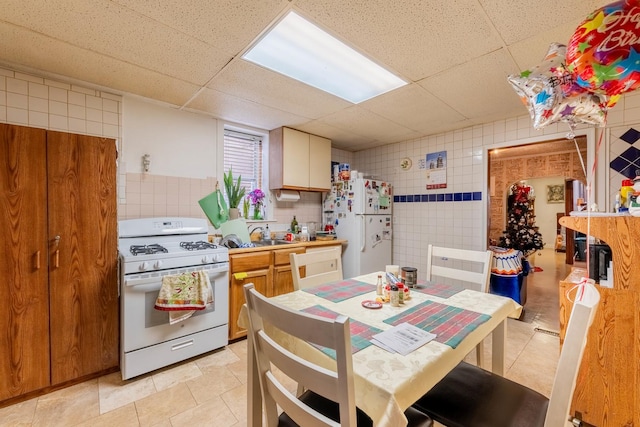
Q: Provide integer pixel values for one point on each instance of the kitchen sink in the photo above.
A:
(272, 242)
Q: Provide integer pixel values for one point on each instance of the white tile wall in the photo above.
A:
(34, 101)
(456, 224)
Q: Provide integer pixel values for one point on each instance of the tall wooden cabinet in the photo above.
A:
(58, 258)
(608, 385)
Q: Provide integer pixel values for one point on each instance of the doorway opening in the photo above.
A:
(554, 169)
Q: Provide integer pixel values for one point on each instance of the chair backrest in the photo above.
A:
(326, 263)
(564, 384)
(334, 385)
(481, 278)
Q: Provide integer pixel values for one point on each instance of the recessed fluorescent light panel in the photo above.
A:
(298, 49)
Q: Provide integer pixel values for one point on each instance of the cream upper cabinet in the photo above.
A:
(319, 163)
(299, 161)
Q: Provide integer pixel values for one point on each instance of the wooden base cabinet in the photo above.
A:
(58, 258)
(282, 277)
(251, 267)
(268, 270)
(608, 386)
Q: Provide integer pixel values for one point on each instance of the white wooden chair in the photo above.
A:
(459, 257)
(321, 267)
(330, 398)
(471, 397)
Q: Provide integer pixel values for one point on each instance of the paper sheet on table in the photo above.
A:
(403, 338)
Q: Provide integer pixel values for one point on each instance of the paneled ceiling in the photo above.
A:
(456, 54)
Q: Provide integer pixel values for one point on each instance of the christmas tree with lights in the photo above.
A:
(521, 232)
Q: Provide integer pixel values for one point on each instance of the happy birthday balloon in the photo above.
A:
(603, 54)
(551, 94)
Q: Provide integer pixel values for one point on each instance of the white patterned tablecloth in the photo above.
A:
(386, 384)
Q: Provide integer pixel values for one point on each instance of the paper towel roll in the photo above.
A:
(287, 196)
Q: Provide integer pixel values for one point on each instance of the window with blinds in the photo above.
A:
(243, 153)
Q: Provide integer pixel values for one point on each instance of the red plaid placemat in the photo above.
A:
(450, 324)
(341, 290)
(360, 332)
(437, 289)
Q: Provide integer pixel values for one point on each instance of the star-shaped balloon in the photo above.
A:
(551, 93)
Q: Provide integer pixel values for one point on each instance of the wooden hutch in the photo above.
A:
(608, 386)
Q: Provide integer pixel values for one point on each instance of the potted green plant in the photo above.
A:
(235, 193)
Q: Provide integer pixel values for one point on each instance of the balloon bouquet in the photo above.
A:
(579, 82)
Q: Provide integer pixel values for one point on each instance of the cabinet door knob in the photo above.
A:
(37, 260)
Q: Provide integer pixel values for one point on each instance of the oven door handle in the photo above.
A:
(157, 279)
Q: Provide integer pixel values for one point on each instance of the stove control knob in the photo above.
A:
(143, 266)
(206, 259)
(157, 264)
(216, 257)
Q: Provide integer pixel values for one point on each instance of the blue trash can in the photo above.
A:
(508, 274)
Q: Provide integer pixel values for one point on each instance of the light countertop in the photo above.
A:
(313, 244)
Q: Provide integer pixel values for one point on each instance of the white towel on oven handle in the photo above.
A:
(181, 315)
(167, 301)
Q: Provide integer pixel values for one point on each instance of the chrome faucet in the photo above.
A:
(254, 229)
(265, 233)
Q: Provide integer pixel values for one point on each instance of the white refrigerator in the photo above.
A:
(360, 212)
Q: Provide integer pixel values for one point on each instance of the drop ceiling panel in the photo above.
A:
(523, 19)
(530, 52)
(241, 111)
(478, 88)
(248, 81)
(120, 33)
(24, 49)
(416, 38)
(415, 108)
(367, 124)
(340, 138)
(229, 25)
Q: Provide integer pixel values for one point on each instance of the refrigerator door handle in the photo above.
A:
(363, 236)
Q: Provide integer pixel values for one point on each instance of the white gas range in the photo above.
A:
(151, 248)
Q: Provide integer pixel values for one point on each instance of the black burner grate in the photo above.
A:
(147, 249)
(197, 246)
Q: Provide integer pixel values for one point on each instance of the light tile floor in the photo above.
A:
(211, 390)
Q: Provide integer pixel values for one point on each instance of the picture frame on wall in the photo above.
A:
(555, 193)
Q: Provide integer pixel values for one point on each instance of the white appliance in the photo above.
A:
(360, 212)
(151, 248)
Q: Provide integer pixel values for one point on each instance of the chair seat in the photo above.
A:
(472, 397)
(330, 409)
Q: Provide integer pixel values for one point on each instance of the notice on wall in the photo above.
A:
(436, 170)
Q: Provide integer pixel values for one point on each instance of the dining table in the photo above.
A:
(387, 383)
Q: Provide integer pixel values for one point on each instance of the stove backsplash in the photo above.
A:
(149, 195)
